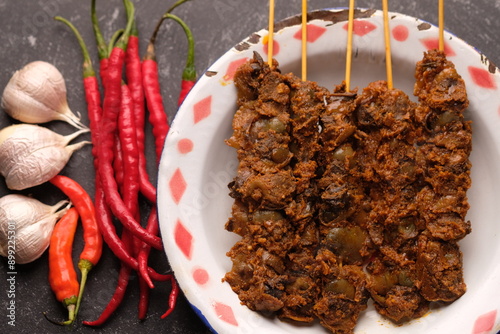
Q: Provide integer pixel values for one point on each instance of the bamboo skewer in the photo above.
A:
(348, 60)
(304, 40)
(441, 24)
(270, 40)
(387, 35)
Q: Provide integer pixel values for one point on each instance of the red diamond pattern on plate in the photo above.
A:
(183, 239)
(233, 66)
(361, 27)
(433, 43)
(202, 109)
(177, 186)
(313, 33)
(482, 77)
(484, 323)
(225, 313)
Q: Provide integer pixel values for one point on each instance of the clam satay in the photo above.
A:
(262, 188)
(443, 151)
(341, 215)
(302, 287)
(266, 212)
(386, 165)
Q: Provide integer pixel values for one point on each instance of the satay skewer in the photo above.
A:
(270, 40)
(441, 24)
(350, 28)
(304, 40)
(387, 36)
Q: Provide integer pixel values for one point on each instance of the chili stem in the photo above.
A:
(152, 40)
(123, 41)
(88, 70)
(102, 48)
(114, 38)
(189, 73)
(85, 266)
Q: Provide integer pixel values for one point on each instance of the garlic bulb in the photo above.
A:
(31, 155)
(37, 94)
(26, 225)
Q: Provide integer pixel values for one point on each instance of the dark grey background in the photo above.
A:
(28, 33)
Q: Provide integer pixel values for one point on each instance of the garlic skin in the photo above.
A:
(37, 94)
(28, 224)
(31, 155)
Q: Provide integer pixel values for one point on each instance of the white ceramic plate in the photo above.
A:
(197, 166)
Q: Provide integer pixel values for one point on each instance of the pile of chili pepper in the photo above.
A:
(117, 118)
(62, 274)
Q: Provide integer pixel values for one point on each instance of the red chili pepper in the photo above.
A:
(142, 259)
(121, 287)
(134, 80)
(186, 86)
(91, 86)
(118, 163)
(157, 116)
(151, 82)
(81, 200)
(189, 73)
(112, 103)
(92, 237)
(144, 292)
(152, 227)
(62, 274)
(172, 298)
(128, 143)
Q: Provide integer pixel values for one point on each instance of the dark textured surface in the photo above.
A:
(29, 33)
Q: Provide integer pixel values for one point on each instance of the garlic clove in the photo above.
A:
(27, 224)
(34, 240)
(37, 94)
(32, 155)
(29, 170)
